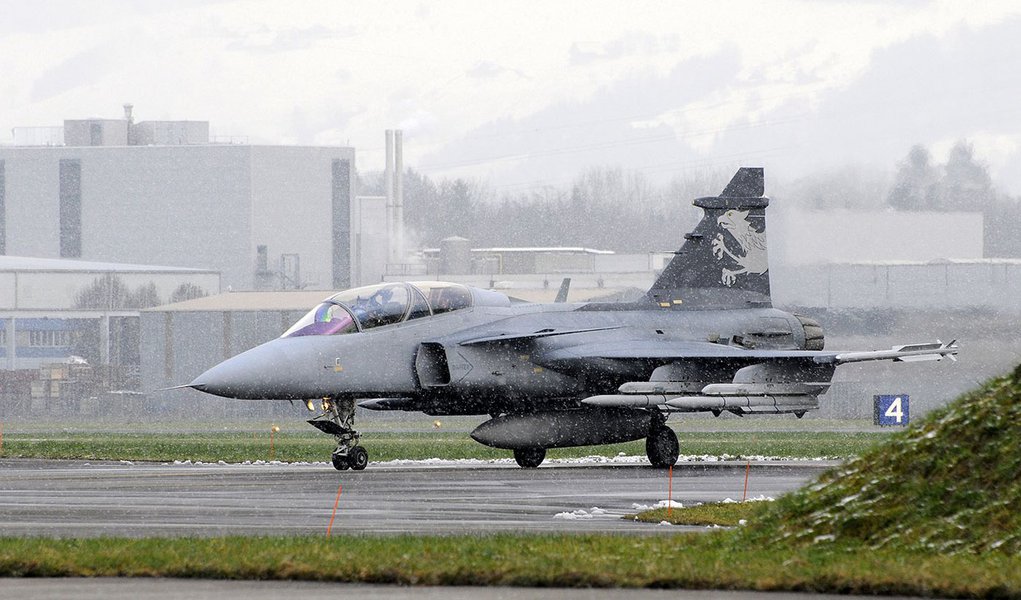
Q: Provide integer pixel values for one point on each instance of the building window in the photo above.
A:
(49, 339)
(70, 208)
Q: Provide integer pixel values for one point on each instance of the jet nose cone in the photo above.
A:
(225, 379)
(249, 375)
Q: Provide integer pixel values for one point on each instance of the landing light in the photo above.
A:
(310, 405)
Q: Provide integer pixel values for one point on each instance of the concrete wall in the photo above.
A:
(32, 200)
(798, 237)
(291, 206)
(113, 132)
(170, 133)
(989, 284)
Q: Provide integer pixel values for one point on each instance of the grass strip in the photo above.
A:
(692, 561)
(726, 514)
(292, 446)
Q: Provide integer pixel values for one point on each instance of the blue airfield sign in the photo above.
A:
(891, 410)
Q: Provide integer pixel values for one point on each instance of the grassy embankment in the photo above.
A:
(931, 512)
(312, 446)
(694, 561)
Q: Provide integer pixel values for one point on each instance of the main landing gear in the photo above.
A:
(338, 420)
(661, 446)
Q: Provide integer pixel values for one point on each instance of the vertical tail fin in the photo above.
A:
(723, 262)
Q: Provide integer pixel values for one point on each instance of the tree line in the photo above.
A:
(613, 209)
(960, 184)
(607, 208)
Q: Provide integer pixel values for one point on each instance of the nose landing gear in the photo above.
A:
(338, 420)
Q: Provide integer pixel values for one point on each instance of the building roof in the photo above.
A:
(301, 300)
(932, 263)
(25, 263)
(525, 250)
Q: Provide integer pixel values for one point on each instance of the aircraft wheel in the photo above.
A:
(358, 458)
(662, 447)
(529, 458)
(340, 462)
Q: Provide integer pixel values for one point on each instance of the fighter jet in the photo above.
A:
(704, 338)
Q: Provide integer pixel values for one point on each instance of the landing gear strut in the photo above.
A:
(338, 420)
(661, 446)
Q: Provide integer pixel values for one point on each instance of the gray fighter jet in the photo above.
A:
(704, 338)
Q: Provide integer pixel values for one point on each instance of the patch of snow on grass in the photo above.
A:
(581, 513)
(660, 504)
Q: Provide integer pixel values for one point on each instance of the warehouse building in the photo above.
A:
(69, 329)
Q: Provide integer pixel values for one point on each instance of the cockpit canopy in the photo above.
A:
(373, 306)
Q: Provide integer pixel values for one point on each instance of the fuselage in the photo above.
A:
(431, 364)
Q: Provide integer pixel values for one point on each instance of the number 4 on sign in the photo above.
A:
(896, 410)
(892, 410)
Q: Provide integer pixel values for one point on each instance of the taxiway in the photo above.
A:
(82, 499)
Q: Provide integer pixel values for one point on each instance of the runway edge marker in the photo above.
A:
(747, 469)
(329, 528)
(670, 491)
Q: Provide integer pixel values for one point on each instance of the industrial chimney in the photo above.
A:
(399, 194)
(393, 185)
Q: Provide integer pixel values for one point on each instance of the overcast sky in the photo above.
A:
(524, 94)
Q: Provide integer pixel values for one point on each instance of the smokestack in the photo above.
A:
(388, 186)
(399, 194)
(131, 123)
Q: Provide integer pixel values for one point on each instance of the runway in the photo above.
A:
(81, 499)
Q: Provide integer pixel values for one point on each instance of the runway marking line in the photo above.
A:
(329, 527)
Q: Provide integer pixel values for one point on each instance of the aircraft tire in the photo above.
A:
(662, 447)
(529, 458)
(358, 458)
(340, 462)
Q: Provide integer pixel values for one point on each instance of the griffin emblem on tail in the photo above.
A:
(753, 258)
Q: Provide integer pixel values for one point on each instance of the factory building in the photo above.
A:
(166, 193)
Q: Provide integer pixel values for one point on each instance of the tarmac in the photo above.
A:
(54, 498)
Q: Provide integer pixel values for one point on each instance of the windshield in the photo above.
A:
(373, 306)
(329, 318)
